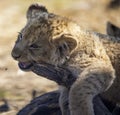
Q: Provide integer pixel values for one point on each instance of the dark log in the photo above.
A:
(47, 104)
(60, 75)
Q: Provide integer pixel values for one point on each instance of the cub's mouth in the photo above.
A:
(25, 66)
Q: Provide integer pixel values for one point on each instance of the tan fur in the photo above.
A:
(92, 57)
(113, 94)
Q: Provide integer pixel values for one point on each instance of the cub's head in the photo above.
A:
(45, 38)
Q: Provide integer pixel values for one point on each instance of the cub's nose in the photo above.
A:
(15, 55)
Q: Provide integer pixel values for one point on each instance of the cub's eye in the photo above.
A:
(34, 46)
(19, 37)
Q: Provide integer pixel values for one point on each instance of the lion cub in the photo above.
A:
(93, 58)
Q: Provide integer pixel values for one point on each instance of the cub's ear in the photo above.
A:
(113, 30)
(35, 10)
(66, 43)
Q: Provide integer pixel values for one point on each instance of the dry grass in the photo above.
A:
(15, 85)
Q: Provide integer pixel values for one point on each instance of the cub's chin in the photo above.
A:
(25, 66)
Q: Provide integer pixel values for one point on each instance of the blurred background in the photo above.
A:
(16, 87)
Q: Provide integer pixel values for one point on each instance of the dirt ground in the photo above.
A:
(15, 85)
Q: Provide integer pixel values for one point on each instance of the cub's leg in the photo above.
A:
(63, 100)
(92, 81)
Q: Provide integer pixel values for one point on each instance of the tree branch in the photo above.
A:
(61, 76)
(47, 104)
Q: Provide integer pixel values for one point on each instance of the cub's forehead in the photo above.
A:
(44, 28)
(32, 33)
